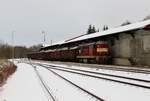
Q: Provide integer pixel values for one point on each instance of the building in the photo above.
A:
(131, 47)
(129, 44)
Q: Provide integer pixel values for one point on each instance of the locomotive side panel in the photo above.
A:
(94, 53)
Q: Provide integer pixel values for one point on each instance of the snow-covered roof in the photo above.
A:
(129, 27)
(59, 42)
(111, 31)
(45, 45)
(63, 41)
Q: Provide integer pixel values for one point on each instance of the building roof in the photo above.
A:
(130, 27)
(134, 26)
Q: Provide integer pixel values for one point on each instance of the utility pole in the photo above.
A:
(44, 38)
(13, 50)
(51, 42)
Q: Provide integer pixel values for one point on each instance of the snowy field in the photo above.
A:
(25, 85)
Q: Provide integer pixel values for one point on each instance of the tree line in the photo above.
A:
(8, 51)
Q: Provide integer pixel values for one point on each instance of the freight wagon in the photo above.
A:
(96, 52)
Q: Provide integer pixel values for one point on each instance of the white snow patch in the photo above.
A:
(63, 90)
(23, 86)
(110, 91)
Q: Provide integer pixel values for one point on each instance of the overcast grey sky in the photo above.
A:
(62, 19)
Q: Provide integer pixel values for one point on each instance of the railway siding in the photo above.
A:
(69, 82)
(119, 79)
(106, 89)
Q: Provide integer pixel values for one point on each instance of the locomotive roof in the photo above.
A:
(130, 27)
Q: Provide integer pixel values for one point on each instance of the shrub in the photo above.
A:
(6, 69)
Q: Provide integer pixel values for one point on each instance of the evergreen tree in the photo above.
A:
(126, 23)
(105, 28)
(91, 29)
(97, 30)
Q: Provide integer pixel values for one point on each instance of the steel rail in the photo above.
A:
(105, 74)
(44, 85)
(98, 77)
(93, 95)
(126, 69)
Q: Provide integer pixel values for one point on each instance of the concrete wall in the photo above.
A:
(131, 50)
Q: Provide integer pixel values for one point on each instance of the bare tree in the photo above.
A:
(126, 23)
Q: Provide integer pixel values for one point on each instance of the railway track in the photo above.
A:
(117, 68)
(131, 81)
(98, 73)
(93, 83)
(93, 95)
(126, 69)
(47, 88)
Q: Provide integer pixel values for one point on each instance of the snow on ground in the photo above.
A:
(110, 91)
(23, 85)
(63, 90)
(114, 78)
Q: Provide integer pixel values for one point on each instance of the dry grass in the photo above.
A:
(2, 61)
(6, 69)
